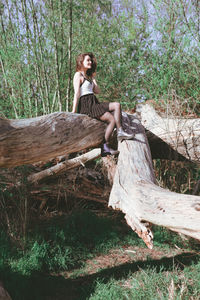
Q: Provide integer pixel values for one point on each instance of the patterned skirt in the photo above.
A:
(89, 105)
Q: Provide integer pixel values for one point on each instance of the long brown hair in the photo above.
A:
(79, 62)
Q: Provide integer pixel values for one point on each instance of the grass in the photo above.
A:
(85, 256)
(151, 284)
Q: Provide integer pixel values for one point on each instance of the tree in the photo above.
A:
(134, 190)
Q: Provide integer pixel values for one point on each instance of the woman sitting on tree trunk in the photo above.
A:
(85, 102)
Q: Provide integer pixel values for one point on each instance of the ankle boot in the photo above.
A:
(106, 150)
(122, 135)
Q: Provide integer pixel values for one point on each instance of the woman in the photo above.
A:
(85, 102)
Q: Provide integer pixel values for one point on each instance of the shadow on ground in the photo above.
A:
(45, 287)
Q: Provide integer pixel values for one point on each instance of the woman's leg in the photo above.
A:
(106, 149)
(108, 118)
(116, 108)
(121, 134)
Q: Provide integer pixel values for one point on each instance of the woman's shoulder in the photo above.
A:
(78, 74)
(78, 77)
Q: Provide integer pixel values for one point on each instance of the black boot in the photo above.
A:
(106, 150)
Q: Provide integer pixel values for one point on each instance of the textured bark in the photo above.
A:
(66, 165)
(134, 189)
(42, 138)
(137, 194)
(181, 135)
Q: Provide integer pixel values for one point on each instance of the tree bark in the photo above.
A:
(31, 140)
(134, 189)
(59, 133)
(137, 194)
(66, 165)
(176, 137)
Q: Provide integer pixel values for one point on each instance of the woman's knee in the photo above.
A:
(107, 117)
(115, 106)
(118, 106)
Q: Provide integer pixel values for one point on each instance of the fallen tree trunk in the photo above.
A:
(134, 190)
(31, 140)
(40, 139)
(171, 137)
(136, 193)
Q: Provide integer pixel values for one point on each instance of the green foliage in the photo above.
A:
(42, 256)
(144, 50)
(60, 247)
(78, 237)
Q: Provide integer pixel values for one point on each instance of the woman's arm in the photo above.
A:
(76, 83)
(96, 89)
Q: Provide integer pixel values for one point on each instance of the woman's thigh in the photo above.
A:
(107, 117)
(114, 106)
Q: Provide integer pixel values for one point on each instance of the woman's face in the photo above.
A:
(87, 63)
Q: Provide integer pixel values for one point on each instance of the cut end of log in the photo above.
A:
(142, 231)
(147, 237)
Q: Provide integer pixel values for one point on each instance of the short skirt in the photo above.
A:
(89, 105)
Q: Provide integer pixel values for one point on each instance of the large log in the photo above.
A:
(31, 140)
(134, 190)
(180, 134)
(136, 193)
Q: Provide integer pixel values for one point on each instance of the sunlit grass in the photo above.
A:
(151, 284)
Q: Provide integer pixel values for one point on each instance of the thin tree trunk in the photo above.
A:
(62, 32)
(66, 165)
(56, 59)
(28, 34)
(39, 77)
(13, 103)
(41, 57)
(69, 57)
(12, 96)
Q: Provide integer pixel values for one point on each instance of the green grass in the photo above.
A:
(64, 244)
(152, 285)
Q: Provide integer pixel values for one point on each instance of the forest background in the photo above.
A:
(146, 50)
